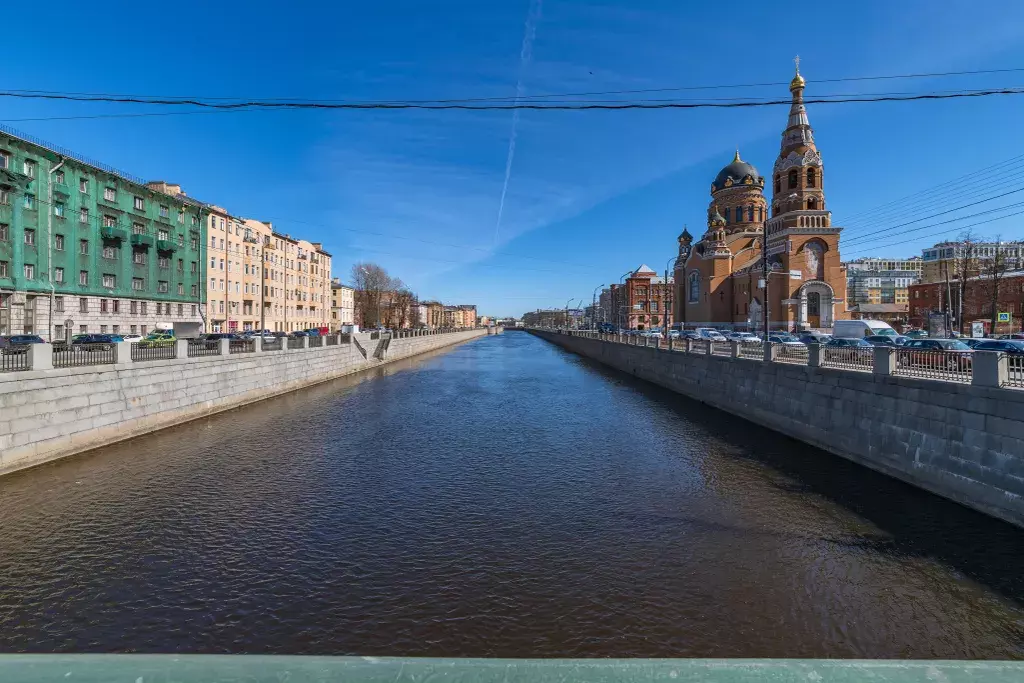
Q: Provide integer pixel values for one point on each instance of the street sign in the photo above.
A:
(781, 248)
(796, 275)
(1004, 317)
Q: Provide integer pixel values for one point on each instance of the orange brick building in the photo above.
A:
(717, 279)
(643, 301)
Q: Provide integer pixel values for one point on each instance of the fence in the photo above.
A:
(790, 353)
(952, 366)
(202, 348)
(296, 342)
(142, 351)
(73, 355)
(14, 359)
(752, 351)
(315, 342)
(331, 340)
(272, 344)
(848, 357)
(241, 345)
(1015, 371)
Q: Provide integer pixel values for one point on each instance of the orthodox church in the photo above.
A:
(717, 278)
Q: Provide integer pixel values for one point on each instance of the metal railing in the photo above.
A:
(699, 346)
(721, 348)
(315, 342)
(241, 345)
(790, 353)
(331, 340)
(952, 366)
(1015, 371)
(272, 344)
(752, 351)
(15, 359)
(295, 343)
(142, 351)
(198, 347)
(848, 357)
(74, 355)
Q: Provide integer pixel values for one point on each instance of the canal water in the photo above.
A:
(501, 498)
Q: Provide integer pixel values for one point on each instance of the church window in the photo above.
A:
(812, 203)
(775, 209)
(750, 213)
(792, 179)
(694, 288)
(726, 214)
(760, 214)
(778, 183)
(810, 177)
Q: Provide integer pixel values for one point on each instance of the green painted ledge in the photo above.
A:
(293, 669)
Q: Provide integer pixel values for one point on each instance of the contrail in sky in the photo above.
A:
(525, 55)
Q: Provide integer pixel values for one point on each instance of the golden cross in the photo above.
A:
(796, 61)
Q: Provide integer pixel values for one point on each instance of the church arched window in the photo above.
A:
(792, 179)
(778, 183)
(725, 214)
(810, 177)
(750, 213)
(694, 287)
(775, 209)
(812, 203)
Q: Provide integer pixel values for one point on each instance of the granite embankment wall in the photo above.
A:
(50, 414)
(960, 441)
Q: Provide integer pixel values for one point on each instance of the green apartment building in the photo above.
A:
(87, 248)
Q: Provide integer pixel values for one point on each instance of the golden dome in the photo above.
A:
(798, 80)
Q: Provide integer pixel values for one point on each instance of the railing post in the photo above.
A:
(688, 345)
(735, 350)
(257, 344)
(884, 360)
(989, 368)
(305, 342)
(770, 352)
(224, 345)
(181, 348)
(710, 348)
(40, 356)
(123, 352)
(814, 355)
(670, 340)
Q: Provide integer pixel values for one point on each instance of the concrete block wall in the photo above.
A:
(960, 441)
(50, 414)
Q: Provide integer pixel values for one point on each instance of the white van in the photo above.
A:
(858, 329)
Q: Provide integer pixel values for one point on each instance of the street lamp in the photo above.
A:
(593, 307)
(621, 283)
(668, 293)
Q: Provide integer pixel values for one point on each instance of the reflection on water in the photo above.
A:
(502, 498)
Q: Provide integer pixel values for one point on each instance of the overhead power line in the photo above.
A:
(861, 240)
(293, 105)
(864, 249)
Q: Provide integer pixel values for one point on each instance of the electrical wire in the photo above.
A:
(989, 221)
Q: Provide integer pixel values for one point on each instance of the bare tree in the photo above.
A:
(402, 302)
(993, 272)
(965, 265)
(371, 283)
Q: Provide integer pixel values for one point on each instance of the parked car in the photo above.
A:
(211, 340)
(709, 334)
(1012, 335)
(90, 342)
(974, 341)
(313, 332)
(157, 340)
(956, 354)
(915, 334)
(298, 333)
(744, 337)
(18, 343)
(886, 340)
(858, 329)
(1012, 347)
(652, 332)
(848, 350)
(689, 334)
(815, 338)
(786, 340)
(132, 337)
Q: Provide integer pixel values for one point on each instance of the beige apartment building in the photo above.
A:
(260, 279)
(343, 305)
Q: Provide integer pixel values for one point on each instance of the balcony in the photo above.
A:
(166, 245)
(143, 241)
(110, 232)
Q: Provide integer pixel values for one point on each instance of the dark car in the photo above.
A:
(18, 343)
(954, 354)
(299, 333)
(856, 351)
(915, 334)
(212, 339)
(1012, 347)
(886, 340)
(814, 338)
(89, 341)
(1012, 335)
(974, 341)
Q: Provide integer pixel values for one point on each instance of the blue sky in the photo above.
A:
(590, 194)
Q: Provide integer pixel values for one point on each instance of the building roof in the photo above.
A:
(737, 170)
(644, 269)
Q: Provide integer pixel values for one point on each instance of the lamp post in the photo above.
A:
(668, 295)
(621, 285)
(593, 307)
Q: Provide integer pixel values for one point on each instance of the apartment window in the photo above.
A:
(30, 201)
(83, 277)
(194, 313)
(5, 232)
(30, 237)
(132, 329)
(103, 306)
(195, 290)
(5, 198)
(116, 305)
(213, 242)
(109, 252)
(58, 177)
(193, 267)
(116, 329)
(83, 305)
(58, 275)
(5, 269)
(222, 264)
(83, 215)
(83, 329)
(133, 307)
(181, 266)
(30, 271)
(181, 215)
(109, 222)
(30, 168)
(221, 306)
(142, 330)
(181, 289)
(5, 160)
(58, 210)
(110, 194)
(58, 242)
(109, 280)
(181, 240)
(163, 235)
(143, 307)
(103, 329)
(83, 246)
(140, 204)
(164, 211)
(138, 284)
(213, 283)
(162, 287)
(139, 257)
(163, 262)
(194, 243)
(58, 306)
(159, 308)
(181, 310)
(83, 185)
